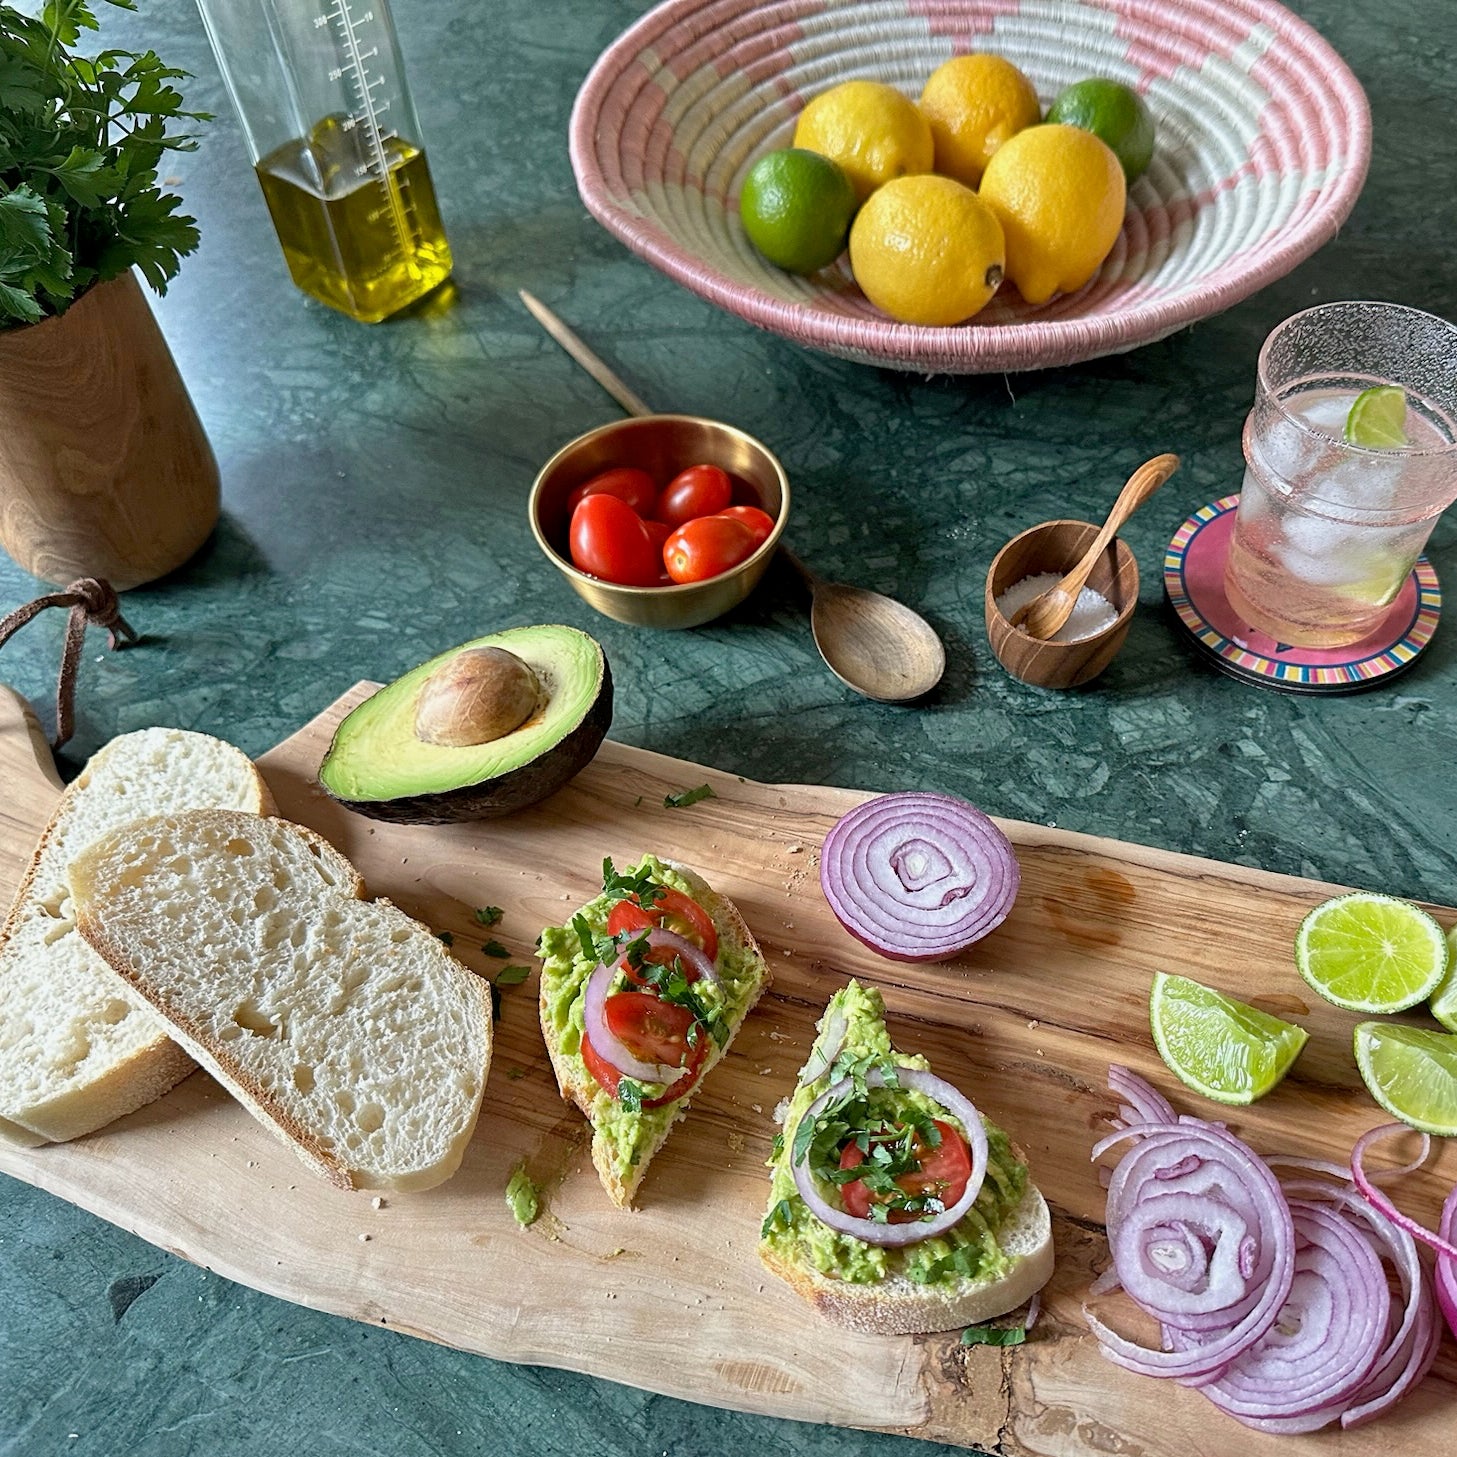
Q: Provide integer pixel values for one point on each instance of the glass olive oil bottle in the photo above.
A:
(320, 91)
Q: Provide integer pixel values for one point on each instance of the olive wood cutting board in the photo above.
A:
(671, 1297)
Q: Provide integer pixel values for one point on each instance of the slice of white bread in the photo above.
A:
(580, 1087)
(77, 1050)
(341, 1024)
(898, 1305)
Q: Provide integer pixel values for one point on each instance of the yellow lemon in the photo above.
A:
(974, 104)
(926, 250)
(1058, 192)
(872, 130)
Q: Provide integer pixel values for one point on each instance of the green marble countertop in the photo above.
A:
(374, 489)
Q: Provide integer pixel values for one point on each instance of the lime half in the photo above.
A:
(1444, 999)
(1219, 1047)
(1378, 418)
(1411, 1072)
(1371, 953)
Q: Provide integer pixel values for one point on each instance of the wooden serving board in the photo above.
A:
(671, 1297)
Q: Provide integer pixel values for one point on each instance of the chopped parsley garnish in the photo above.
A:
(512, 976)
(672, 985)
(781, 1216)
(640, 884)
(494, 948)
(685, 797)
(489, 915)
(445, 938)
(993, 1335)
(629, 1094)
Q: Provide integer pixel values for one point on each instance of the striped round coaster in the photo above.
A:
(1194, 588)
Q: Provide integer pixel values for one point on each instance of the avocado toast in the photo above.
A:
(641, 994)
(926, 1216)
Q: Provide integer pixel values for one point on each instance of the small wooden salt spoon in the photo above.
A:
(1045, 614)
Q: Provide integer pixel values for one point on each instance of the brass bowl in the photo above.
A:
(1057, 546)
(662, 445)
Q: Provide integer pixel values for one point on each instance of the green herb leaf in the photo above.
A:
(781, 1216)
(685, 797)
(489, 915)
(445, 938)
(494, 948)
(629, 1094)
(993, 1335)
(639, 885)
(511, 976)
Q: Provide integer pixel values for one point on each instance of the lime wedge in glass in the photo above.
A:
(1224, 1049)
(1411, 1072)
(1371, 953)
(1444, 999)
(1378, 418)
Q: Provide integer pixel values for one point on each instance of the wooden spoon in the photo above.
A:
(1045, 614)
(870, 642)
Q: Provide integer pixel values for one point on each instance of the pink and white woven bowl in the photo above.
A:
(1263, 141)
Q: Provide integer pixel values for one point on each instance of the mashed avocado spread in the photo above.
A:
(629, 1131)
(969, 1250)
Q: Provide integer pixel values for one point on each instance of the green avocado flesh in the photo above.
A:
(628, 1132)
(379, 765)
(967, 1251)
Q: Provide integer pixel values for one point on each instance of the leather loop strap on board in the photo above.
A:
(93, 602)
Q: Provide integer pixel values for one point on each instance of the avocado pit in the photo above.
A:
(476, 697)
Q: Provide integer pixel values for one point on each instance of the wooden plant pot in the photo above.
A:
(104, 467)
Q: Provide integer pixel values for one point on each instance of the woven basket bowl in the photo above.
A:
(1263, 140)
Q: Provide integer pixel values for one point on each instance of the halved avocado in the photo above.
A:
(485, 729)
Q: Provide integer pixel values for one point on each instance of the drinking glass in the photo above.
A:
(1328, 530)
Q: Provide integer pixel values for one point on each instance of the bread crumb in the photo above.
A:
(793, 850)
(757, 1107)
(1033, 1025)
(364, 1239)
(252, 1163)
(765, 1071)
(377, 1202)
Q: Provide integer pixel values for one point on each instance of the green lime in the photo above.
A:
(1411, 1072)
(1444, 999)
(1371, 953)
(1220, 1047)
(1113, 113)
(1378, 418)
(797, 207)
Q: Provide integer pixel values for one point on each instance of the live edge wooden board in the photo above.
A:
(672, 1297)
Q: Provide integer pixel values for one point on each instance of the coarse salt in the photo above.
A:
(1092, 613)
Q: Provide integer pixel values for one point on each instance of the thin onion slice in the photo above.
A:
(1328, 1335)
(693, 956)
(918, 877)
(826, 1049)
(1447, 1266)
(1364, 1183)
(899, 1235)
(610, 1048)
(1145, 1103)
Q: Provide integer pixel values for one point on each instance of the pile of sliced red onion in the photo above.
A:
(918, 877)
(1272, 1295)
(611, 1048)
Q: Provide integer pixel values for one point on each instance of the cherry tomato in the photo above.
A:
(698, 491)
(674, 911)
(609, 540)
(660, 531)
(608, 1077)
(707, 548)
(626, 482)
(943, 1172)
(761, 523)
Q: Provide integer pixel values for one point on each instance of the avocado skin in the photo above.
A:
(506, 793)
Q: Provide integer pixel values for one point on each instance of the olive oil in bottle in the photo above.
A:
(357, 218)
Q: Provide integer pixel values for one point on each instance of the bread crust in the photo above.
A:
(150, 1070)
(899, 1307)
(581, 1090)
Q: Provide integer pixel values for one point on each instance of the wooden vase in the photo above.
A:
(104, 467)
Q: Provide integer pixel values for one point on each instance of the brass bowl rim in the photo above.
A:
(1124, 613)
(764, 549)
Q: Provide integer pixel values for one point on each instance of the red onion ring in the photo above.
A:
(692, 955)
(1377, 1197)
(609, 1047)
(826, 1049)
(1145, 1103)
(899, 1235)
(1447, 1266)
(1328, 1336)
(918, 877)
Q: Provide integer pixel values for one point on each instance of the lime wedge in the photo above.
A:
(1411, 1072)
(1378, 418)
(1219, 1047)
(1444, 999)
(1371, 953)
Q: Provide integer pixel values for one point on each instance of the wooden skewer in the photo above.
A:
(584, 356)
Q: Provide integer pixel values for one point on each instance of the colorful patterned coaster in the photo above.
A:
(1194, 587)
